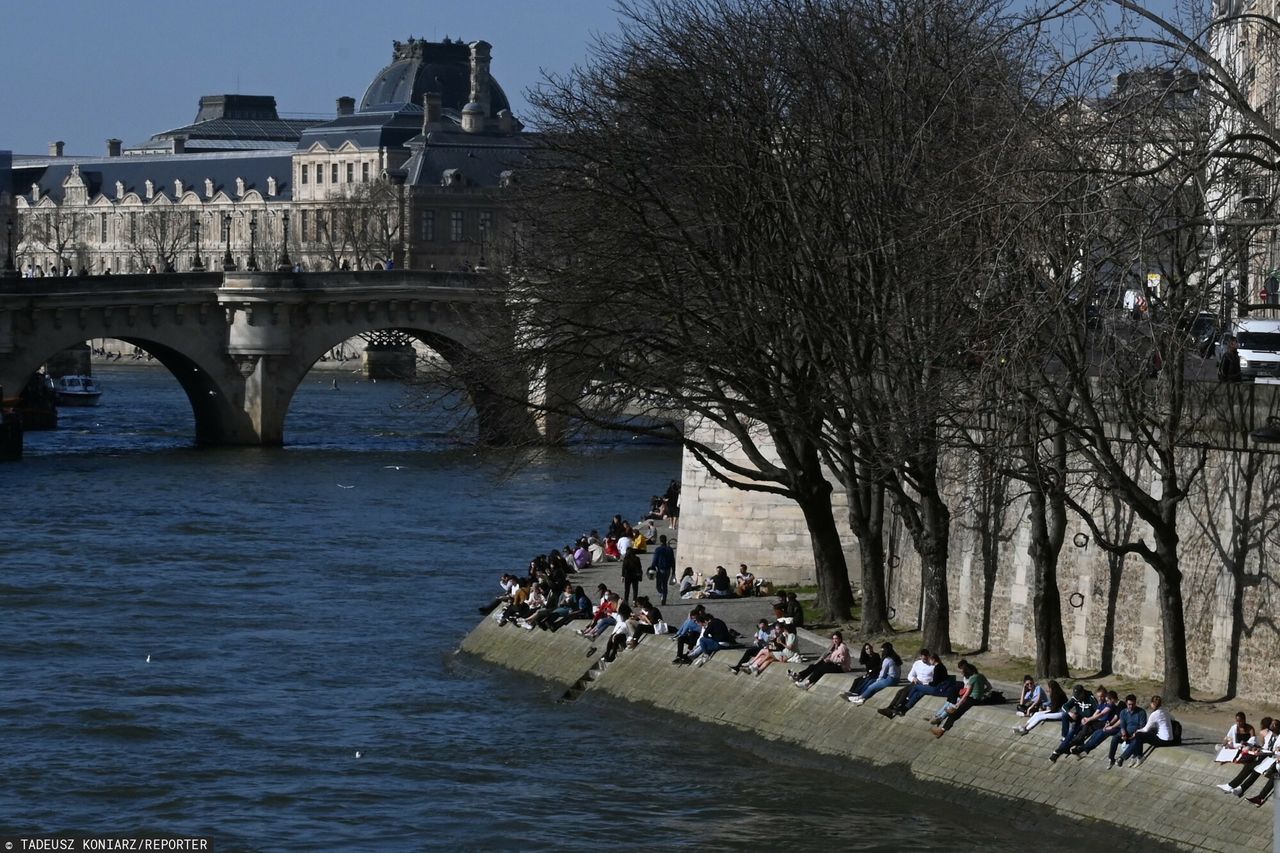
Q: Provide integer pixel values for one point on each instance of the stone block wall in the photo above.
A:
(721, 525)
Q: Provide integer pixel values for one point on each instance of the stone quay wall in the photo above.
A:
(980, 763)
(723, 525)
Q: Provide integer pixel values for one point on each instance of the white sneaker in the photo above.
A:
(856, 700)
(1239, 792)
(1226, 788)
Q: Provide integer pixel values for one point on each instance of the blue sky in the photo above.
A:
(84, 70)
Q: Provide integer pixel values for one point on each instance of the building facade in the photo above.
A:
(413, 177)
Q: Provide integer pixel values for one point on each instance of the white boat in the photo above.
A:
(76, 390)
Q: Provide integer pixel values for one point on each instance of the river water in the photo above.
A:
(299, 605)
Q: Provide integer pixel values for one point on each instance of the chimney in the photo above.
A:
(239, 187)
(55, 148)
(178, 188)
(151, 189)
(35, 192)
(271, 186)
(179, 144)
(208, 188)
(431, 108)
(480, 75)
(346, 105)
(119, 190)
(113, 147)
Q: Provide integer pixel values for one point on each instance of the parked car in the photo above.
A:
(1203, 332)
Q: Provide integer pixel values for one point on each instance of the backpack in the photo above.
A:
(993, 697)
(1177, 732)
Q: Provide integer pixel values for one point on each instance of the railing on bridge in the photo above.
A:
(188, 281)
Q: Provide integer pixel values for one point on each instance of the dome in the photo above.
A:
(418, 67)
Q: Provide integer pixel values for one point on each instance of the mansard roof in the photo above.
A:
(101, 173)
(479, 158)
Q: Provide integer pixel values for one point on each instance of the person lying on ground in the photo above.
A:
(869, 660)
(744, 583)
(689, 631)
(837, 658)
(1057, 699)
(890, 671)
(1157, 732)
(1104, 708)
(975, 690)
(760, 641)
(1251, 756)
(1032, 699)
(940, 684)
(715, 635)
(921, 673)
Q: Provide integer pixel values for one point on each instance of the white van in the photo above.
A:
(1258, 341)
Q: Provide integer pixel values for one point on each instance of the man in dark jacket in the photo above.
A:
(632, 572)
(1229, 364)
(664, 566)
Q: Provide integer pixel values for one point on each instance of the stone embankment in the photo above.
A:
(1171, 797)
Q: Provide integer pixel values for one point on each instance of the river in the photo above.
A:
(199, 641)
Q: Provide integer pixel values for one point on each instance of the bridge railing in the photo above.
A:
(191, 281)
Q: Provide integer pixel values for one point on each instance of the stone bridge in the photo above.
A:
(240, 343)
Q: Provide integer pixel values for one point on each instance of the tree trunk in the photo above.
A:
(1177, 677)
(835, 598)
(932, 545)
(1048, 530)
(866, 519)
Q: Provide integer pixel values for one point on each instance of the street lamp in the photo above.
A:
(198, 266)
(8, 246)
(228, 262)
(253, 236)
(284, 264)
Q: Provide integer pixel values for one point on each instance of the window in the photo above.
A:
(427, 226)
(364, 173)
(333, 173)
(455, 226)
(321, 225)
(193, 227)
(102, 228)
(304, 172)
(133, 227)
(486, 224)
(351, 173)
(303, 222)
(319, 173)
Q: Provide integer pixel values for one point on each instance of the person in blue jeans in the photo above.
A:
(689, 631)
(890, 671)
(941, 685)
(664, 566)
(1110, 722)
(1080, 705)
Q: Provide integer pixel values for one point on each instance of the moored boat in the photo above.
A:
(77, 390)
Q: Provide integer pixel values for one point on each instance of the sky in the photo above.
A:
(83, 71)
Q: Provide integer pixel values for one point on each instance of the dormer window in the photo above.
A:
(271, 186)
(177, 188)
(208, 187)
(119, 190)
(239, 187)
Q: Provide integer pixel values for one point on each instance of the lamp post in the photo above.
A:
(284, 264)
(198, 266)
(8, 247)
(253, 236)
(228, 262)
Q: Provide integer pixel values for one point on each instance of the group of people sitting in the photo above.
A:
(1255, 751)
(1088, 719)
(719, 585)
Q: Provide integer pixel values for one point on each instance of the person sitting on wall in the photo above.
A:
(715, 635)
(519, 605)
(1107, 706)
(650, 617)
(689, 631)
(1266, 766)
(1252, 753)
(639, 542)
(578, 608)
(611, 552)
(1057, 699)
(890, 671)
(784, 647)
(601, 608)
(1032, 699)
(542, 615)
(509, 585)
(582, 555)
(1103, 728)
(921, 673)
(744, 582)
(941, 684)
(606, 617)
(1241, 734)
(795, 610)
(1157, 732)
(625, 632)
(760, 641)
(1080, 705)
(975, 690)
(869, 660)
(615, 528)
(837, 658)
(595, 545)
